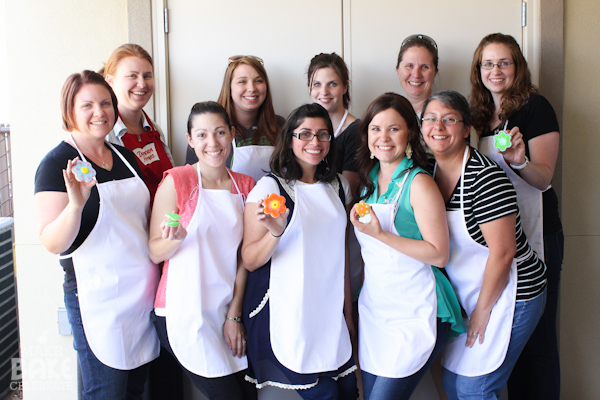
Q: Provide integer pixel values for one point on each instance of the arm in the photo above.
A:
(164, 240)
(353, 180)
(59, 214)
(234, 333)
(430, 214)
(261, 235)
(499, 235)
(543, 150)
(347, 284)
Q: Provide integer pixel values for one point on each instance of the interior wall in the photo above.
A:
(580, 297)
(47, 41)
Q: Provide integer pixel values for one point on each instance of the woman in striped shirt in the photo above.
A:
(499, 280)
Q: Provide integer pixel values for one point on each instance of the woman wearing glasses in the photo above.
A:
(499, 279)
(400, 333)
(246, 95)
(417, 68)
(503, 98)
(297, 309)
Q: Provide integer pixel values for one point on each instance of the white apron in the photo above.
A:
(529, 199)
(116, 280)
(200, 284)
(465, 269)
(252, 160)
(397, 304)
(306, 287)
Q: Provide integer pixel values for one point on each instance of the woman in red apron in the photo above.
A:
(499, 279)
(499, 72)
(129, 72)
(297, 308)
(246, 95)
(198, 307)
(102, 240)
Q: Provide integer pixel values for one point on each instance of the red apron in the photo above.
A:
(151, 156)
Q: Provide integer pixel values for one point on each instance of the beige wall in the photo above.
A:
(580, 296)
(47, 41)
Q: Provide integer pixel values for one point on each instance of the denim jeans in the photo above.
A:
(382, 388)
(329, 389)
(536, 375)
(489, 386)
(229, 387)
(101, 382)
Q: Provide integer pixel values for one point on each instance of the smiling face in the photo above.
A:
(388, 136)
(416, 72)
(497, 80)
(248, 89)
(93, 111)
(441, 138)
(327, 89)
(210, 137)
(133, 83)
(310, 153)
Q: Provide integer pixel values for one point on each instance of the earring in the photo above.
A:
(408, 151)
(372, 156)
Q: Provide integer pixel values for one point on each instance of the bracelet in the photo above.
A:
(277, 235)
(235, 319)
(517, 167)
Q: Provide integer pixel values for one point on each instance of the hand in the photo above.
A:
(515, 154)
(235, 337)
(477, 326)
(275, 225)
(371, 228)
(78, 191)
(172, 232)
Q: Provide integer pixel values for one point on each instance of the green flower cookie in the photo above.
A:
(502, 141)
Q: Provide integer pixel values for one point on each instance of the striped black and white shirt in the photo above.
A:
(490, 195)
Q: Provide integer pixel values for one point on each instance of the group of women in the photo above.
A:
(244, 299)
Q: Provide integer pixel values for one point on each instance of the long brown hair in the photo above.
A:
(267, 121)
(515, 97)
(364, 162)
(336, 63)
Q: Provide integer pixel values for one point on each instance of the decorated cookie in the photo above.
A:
(173, 220)
(83, 171)
(362, 208)
(274, 205)
(502, 141)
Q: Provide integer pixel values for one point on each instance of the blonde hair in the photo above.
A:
(121, 52)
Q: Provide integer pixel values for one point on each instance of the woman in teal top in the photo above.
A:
(407, 308)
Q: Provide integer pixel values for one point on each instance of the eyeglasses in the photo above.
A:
(241, 57)
(445, 121)
(501, 65)
(308, 136)
(419, 37)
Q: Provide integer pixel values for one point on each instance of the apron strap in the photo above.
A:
(339, 128)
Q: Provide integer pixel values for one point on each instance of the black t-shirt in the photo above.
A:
(49, 178)
(346, 144)
(534, 119)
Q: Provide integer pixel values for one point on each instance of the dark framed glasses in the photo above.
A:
(308, 136)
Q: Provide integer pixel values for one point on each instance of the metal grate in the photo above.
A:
(6, 189)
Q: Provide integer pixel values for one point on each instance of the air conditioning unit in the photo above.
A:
(9, 326)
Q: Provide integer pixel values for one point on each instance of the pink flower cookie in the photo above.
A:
(83, 171)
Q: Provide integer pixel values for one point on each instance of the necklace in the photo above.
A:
(104, 164)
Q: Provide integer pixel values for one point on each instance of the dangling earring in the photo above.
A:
(372, 156)
(408, 151)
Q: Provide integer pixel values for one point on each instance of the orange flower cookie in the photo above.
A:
(274, 205)
(362, 208)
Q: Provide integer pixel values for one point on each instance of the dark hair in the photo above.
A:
(334, 62)
(283, 162)
(207, 107)
(513, 99)
(419, 41)
(72, 86)
(454, 100)
(384, 102)
(267, 120)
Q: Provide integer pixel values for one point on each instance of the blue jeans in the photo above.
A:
(329, 389)
(536, 375)
(489, 386)
(101, 382)
(382, 388)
